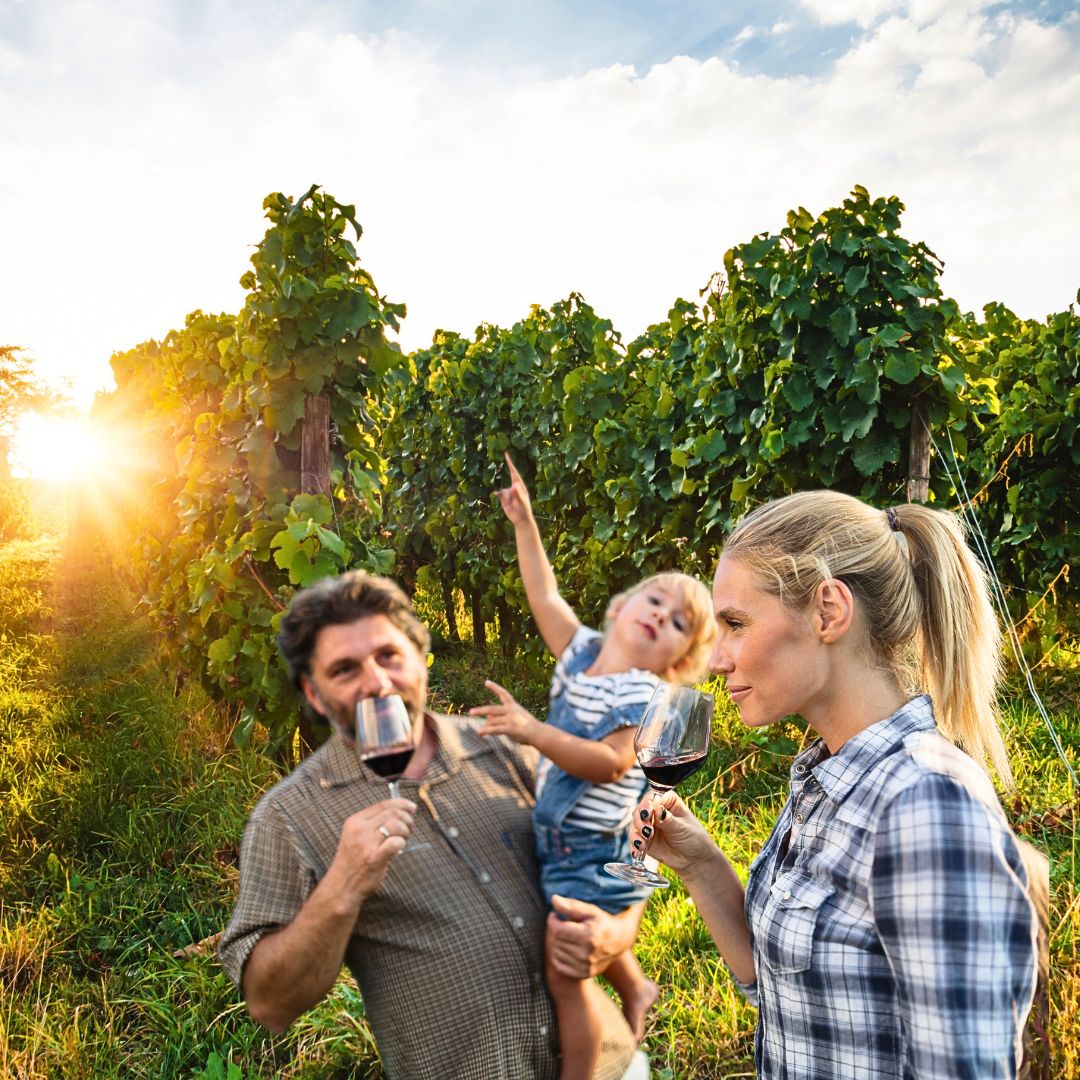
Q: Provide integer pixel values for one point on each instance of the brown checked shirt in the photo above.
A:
(449, 951)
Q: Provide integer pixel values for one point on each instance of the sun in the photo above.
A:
(50, 447)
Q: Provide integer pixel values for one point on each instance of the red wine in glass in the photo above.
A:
(391, 763)
(384, 737)
(670, 743)
(664, 773)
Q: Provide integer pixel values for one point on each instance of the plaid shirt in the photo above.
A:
(448, 952)
(889, 915)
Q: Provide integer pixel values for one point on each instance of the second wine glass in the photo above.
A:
(671, 743)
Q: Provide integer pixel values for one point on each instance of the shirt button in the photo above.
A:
(485, 877)
(537, 978)
(519, 922)
(543, 1029)
(453, 832)
(787, 895)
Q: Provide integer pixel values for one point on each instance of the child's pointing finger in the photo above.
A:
(502, 694)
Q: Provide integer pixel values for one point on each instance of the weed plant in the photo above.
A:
(122, 802)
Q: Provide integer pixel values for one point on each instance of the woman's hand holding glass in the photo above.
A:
(669, 832)
(670, 743)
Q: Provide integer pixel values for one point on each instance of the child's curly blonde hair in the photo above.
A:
(694, 598)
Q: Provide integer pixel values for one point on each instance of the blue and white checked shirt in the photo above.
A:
(892, 932)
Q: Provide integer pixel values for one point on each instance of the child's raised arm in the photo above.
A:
(554, 617)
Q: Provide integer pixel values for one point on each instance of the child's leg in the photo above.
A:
(579, 1025)
(637, 993)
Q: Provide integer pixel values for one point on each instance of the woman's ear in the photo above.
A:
(834, 610)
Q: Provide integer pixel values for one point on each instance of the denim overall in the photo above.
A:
(572, 859)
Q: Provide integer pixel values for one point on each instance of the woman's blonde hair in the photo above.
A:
(693, 597)
(923, 594)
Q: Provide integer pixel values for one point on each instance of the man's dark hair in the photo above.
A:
(340, 600)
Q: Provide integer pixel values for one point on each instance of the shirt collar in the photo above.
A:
(453, 744)
(840, 772)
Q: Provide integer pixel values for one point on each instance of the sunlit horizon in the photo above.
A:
(57, 447)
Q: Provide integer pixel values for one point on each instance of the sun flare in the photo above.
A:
(58, 448)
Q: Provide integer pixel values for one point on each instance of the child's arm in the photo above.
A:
(554, 617)
(601, 762)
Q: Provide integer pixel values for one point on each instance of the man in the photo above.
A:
(430, 900)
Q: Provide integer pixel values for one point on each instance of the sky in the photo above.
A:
(506, 154)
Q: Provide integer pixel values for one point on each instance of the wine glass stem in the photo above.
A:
(394, 792)
(637, 856)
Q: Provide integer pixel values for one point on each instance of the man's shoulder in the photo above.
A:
(474, 746)
(295, 786)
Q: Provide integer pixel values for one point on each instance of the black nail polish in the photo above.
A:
(663, 814)
(644, 815)
(646, 831)
(637, 843)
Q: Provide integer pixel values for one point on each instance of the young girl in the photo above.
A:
(588, 782)
(885, 930)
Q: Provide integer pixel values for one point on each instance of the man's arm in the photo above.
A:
(583, 939)
(293, 968)
(555, 619)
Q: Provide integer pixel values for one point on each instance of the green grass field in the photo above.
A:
(122, 803)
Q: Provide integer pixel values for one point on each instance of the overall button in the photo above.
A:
(800, 769)
(800, 818)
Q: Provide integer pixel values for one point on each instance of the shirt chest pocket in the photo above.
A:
(789, 919)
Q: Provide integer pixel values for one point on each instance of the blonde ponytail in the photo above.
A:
(923, 593)
(959, 641)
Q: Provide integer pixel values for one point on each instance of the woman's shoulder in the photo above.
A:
(933, 782)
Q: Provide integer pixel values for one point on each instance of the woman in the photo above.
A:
(886, 929)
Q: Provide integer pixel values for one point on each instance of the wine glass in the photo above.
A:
(670, 743)
(384, 735)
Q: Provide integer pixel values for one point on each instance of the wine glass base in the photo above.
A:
(639, 875)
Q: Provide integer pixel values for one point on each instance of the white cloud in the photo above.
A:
(138, 157)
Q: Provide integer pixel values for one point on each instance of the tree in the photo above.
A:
(20, 391)
(227, 396)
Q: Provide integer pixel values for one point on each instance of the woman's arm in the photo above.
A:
(954, 919)
(671, 834)
(554, 617)
(602, 761)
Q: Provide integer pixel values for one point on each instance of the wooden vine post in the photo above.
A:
(315, 446)
(918, 479)
(314, 480)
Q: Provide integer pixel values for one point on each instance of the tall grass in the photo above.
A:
(122, 802)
